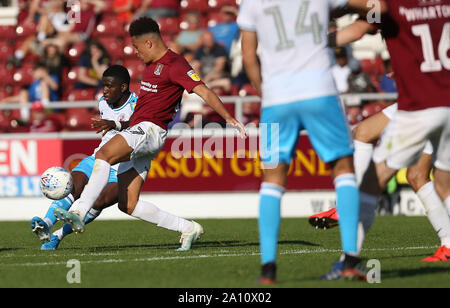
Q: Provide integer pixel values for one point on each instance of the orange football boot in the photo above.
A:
(325, 220)
(441, 254)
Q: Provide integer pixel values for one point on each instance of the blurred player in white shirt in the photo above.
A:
(298, 92)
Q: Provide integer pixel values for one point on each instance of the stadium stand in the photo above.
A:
(111, 32)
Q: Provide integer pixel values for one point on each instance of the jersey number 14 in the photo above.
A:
(301, 28)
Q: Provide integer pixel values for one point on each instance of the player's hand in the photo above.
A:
(239, 126)
(102, 125)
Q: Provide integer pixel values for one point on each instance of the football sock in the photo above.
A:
(368, 205)
(436, 212)
(149, 212)
(447, 205)
(98, 180)
(347, 201)
(362, 158)
(66, 203)
(269, 220)
(67, 229)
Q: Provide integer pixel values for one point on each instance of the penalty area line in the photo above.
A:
(171, 258)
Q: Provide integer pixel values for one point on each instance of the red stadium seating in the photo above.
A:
(6, 75)
(194, 5)
(169, 25)
(74, 53)
(109, 25)
(247, 90)
(6, 50)
(135, 67)
(217, 4)
(371, 109)
(372, 66)
(82, 95)
(214, 18)
(24, 75)
(78, 119)
(8, 33)
(113, 45)
(24, 31)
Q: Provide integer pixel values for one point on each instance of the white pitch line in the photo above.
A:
(288, 252)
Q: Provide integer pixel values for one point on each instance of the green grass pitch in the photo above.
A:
(136, 254)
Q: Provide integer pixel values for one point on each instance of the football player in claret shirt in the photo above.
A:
(163, 82)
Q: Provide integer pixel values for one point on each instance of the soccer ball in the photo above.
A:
(56, 183)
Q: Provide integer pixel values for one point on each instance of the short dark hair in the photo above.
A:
(118, 71)
(144, 25)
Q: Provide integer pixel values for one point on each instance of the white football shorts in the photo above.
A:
(406, 136)
(146, 139)
(390, 111)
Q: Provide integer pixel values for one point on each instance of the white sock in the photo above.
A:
(97, 181)
(362, 158)
(447, 205)
(368, 205)
(59, 233)
(436, 212)
(149, 212)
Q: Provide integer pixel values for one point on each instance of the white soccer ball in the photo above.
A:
(56, 183)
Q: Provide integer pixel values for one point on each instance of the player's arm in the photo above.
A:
(216, 104)
(351, 33)
(102, 125)
(250, 59)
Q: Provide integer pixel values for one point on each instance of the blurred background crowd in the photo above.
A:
(58, 50)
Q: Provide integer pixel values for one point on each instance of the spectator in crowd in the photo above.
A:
(82, 19)
(93, 63)
(341, 70)
(54, 60)
(227, 31)
(358, 81)
(251, 113)
(211, 62)
(190, 38)
(40, 122)
(158, 8)
(387, 84)
(53, 20)
(44, 88)
(125, 9)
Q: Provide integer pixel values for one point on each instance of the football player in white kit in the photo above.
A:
(115, 108)
(298, 92)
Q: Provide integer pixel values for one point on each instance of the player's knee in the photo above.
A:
(363, 134)
(416, 178)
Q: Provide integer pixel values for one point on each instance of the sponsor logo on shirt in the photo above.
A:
(193, 75)
(159, 69)
(149, 87)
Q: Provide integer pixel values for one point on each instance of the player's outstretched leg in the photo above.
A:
(41, 227)
(72, 218)
(60, 234)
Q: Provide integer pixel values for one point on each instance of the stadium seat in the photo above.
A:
(109, 25)
(217, 4)
(6, 50)
(8, 33)
(24, 31)
(113, 45)
(78, 119)
(169, 25)
(74, 53)
(135, 67)
(128, 49)
(194, 5)
(24, 75)
(82, 95)
(371, 109)
(372, 66)
(247, 90)
(214, 18)
(6, 75)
